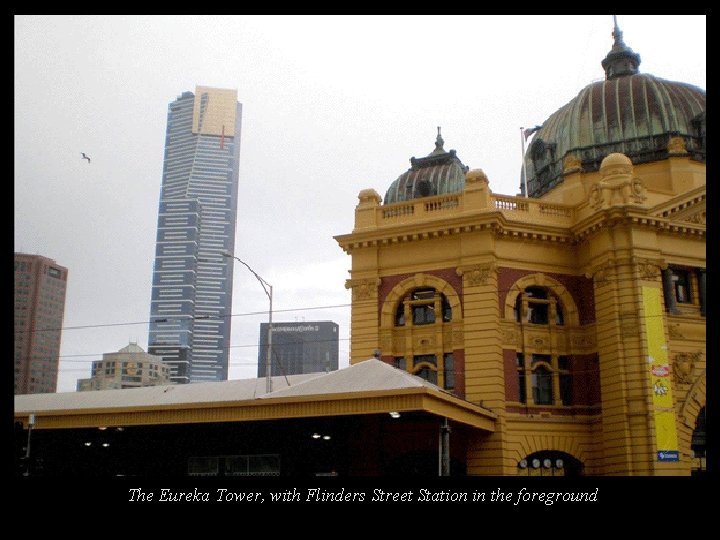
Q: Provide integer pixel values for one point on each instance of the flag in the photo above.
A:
(530, 131)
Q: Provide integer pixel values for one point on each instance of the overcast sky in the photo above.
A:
(331, 105)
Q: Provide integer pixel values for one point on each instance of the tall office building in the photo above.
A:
(305, 347)
(192, 282)
(40, 285)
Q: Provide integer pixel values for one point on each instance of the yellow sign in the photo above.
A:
(660, 377)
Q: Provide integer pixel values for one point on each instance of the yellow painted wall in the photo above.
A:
(620, 241)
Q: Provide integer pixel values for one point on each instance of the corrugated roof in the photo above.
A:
(148, 396)
(368, 387)
(367, 376)
(370, 375)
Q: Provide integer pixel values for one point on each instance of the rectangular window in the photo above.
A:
(565, 389)
(423, 314)
(449, 371)
(681, 284)
(542, 386)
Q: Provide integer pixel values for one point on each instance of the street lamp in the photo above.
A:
(31, 424)
(268, 291)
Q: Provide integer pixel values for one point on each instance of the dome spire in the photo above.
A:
(621, 60)
(439, 142)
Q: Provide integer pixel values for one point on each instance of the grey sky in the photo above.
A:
(331, 105)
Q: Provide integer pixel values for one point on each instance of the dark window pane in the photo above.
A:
(521, 386)
(538, 313)
(681, 282)
(430, 375)
(423, 314)
(400, 315)
(542, 386)
(449, 371)
(446, 309)
(563, 362)
(566, 389)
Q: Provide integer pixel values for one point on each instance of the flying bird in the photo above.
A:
(85, 157)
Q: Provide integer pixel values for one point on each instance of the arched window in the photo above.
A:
(423, 306)
(537, 305)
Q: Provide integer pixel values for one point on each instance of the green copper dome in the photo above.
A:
(629, 112)
(438, 173)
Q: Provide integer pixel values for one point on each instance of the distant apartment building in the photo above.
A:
(130, 367)
(299, 347)
(40, 285)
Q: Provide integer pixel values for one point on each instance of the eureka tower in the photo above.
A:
(190, 309)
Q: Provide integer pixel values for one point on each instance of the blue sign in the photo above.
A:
(668, 455)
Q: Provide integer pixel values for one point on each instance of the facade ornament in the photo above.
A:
(674, 331)
(676, 145)
(647, 268)
(477, 275)
(683, 366)
(571, 164)
(602, 274)
(698, 218)
(362, 289)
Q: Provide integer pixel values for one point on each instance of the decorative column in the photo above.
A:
(484, 372)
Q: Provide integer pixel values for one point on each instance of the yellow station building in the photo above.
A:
(576, 314)
(559, 332)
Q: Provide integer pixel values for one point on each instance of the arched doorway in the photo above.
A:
(697, 445)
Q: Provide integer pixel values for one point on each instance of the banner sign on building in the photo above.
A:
(660, 377)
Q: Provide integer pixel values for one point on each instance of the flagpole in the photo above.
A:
(524, 168)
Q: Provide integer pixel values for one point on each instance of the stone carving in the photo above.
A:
(363, 289)
(602, 274)
(683, 366)
(510, 337)
(674, 331)
(596, 196)
(676, 145)
(647, 268)
(571, 164)
(698, 218)
(477, 275)
(638, 193)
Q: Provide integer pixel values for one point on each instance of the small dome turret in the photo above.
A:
(438, 173)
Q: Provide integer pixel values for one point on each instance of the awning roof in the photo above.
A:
(368, 387)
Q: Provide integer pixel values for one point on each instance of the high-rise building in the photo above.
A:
(192, 282)
(299, 347)
(130, 367)
(40, 285)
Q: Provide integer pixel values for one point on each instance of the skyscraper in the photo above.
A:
(192, 283)
(40, 285)
(299, 347)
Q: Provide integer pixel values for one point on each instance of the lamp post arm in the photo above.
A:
(268, 291)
